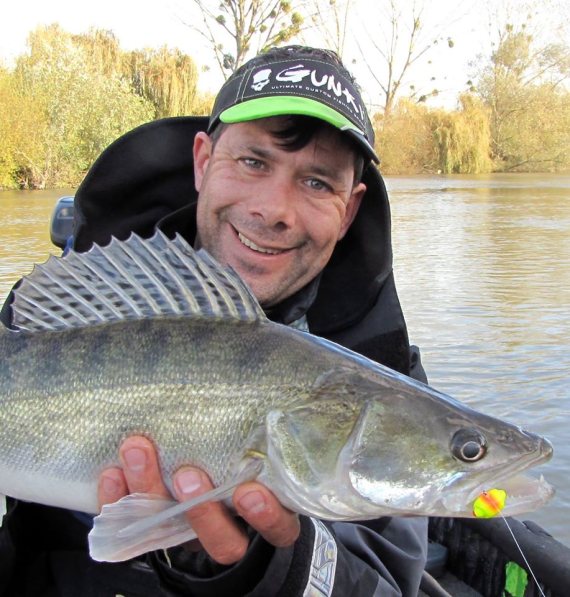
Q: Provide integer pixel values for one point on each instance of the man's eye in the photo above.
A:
(253, 163)
(318, 185)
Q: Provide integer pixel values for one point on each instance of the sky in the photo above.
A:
(154, 23)
(137, 23)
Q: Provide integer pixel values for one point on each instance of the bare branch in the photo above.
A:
(246, 25)
(399, 35)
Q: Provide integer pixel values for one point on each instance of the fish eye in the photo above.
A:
(468, 445)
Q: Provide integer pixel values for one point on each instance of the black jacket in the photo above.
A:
(145, 180)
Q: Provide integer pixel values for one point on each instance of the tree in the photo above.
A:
(165, 77)
(83, 109)
(330, 21)
(400, 33)
(524, 82)
(463, 137)
(72, 95)
(168, 79)
(234, 29)
(405, 141)
(418, 139)
(21, 127)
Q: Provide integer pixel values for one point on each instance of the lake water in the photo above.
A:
(482, 265)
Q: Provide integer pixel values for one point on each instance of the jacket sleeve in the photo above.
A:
(7, 551)
(384, 558)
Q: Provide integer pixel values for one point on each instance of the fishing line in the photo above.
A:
(517, 544)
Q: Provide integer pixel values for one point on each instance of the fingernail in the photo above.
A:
(136, 459)
(110, 485)
(189, 481)
(253, 502)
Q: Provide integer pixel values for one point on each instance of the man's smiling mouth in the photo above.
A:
(254, 247)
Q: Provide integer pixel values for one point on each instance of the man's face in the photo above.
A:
(273, 215)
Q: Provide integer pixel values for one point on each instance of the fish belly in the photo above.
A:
(44, 489)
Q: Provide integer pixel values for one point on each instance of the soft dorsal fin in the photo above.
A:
(131, 279)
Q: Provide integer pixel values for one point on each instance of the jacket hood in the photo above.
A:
(147, 175)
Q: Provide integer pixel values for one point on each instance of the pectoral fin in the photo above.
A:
(140, 523)
(105, 544)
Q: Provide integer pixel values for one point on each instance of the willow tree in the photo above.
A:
(405, 141)
(463, 137)
(524, 82)
(21, 127)
(167, 78)
(236, 29)
(83, 109)
(103, 49)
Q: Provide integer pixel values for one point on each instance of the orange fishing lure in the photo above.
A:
(489, 503)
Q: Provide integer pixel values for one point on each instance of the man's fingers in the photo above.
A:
(219, 532)
(261, 509)
(140, 473)
(140, 467)
(112, 486)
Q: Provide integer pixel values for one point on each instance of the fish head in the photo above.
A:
(420, 452)
(375, 445)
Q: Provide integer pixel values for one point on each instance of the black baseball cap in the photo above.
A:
(313, 86)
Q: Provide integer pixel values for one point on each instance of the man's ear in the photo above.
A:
(202, 152)
(352, 208)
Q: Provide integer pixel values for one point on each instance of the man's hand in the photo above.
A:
(218, 531)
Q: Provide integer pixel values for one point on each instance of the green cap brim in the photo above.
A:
(265, 107)
(283, 105)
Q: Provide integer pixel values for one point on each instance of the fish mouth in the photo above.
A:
(524, 492)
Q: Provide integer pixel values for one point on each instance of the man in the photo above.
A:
(282, 199)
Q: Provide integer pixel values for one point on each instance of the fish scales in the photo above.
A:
(197, 395)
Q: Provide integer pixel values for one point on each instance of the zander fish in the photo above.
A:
(148, 337)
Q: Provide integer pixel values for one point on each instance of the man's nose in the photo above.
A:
(276, 205)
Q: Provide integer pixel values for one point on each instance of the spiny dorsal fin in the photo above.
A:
(131, 279)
